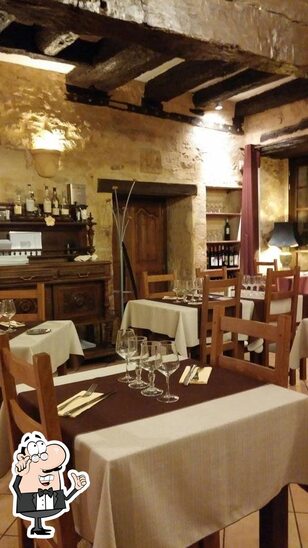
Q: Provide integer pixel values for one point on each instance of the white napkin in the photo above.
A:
(13, 323)
(203, 373)
(169, 297)
(79, 401)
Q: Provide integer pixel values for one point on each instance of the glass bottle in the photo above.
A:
(30, 201)
(227, 230)
(47, 202)
(64, 206)
(55, 202)
(18, 205)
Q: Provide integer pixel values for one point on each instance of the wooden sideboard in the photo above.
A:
(78, 291)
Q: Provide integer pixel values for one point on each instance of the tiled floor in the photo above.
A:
(243, 534)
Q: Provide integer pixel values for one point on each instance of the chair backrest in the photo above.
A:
(38, 375)
(149, 281)
(289, 294)
(229, 293)
(260, 267)
(212, 273)
(27, 309)
(279, 334)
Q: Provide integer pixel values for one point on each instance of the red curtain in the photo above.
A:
(250, 213)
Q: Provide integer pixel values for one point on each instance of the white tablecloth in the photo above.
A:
(169, 480)
(62, 341)
(176, 321)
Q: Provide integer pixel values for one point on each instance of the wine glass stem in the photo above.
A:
(126, 365)
(152, 379)
(138, 372)
(167, 386)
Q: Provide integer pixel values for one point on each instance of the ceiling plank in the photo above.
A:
(51, 43)
(5, 20)
(281, 95)
(229, 87)
(184, 77)
(287, 130)
(289, 148)
(181, 31)
(118, 70)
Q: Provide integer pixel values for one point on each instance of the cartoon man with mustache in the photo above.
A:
(37, 484)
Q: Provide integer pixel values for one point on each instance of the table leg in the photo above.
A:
(273, 527)
(302, 369)
(292, 377)
(211, 541)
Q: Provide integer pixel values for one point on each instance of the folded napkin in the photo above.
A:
(202, 375)
(13, 323)
(80, 400)
(169, 297)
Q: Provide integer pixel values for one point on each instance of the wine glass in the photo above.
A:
(8, 310)
(169, 364)
(126, 347)
(150, 358)
(138, 383)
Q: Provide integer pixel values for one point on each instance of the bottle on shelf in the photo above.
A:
(227, 230)
(30, 201)
(64, 208)
(55, 202)
(18, 205)
(231, 257)
(47, 202)
(236, 259)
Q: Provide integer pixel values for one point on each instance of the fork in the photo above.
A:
(88, 393)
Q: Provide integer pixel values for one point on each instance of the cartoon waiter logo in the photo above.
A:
(37, 484)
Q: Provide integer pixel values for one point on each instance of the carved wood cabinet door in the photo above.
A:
(145, 239)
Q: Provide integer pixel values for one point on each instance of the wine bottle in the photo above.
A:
(55, 202)
(18, 205)
(47, 202)
(30, 201)
(64, 206)
(227, 230)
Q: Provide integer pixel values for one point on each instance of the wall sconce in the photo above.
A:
(284, 237)
(46, 162)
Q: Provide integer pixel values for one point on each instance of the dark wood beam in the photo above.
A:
(287, 130)
(118, 70)
(228, 87)
(294, 147)
(51, 43)
(5, 20)
(147, 188)
(184, 77)
(281, 95)
(178, 36)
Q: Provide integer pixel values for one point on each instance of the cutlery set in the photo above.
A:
(84, 404)
(193, 373)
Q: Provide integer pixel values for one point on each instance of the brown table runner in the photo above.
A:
(129, 405)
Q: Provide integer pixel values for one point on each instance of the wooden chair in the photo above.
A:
(272, 299)
(213, 273)
(231, 305)
(149, 280)
(39, 376)
(268, 264)
(279, 334)
(26, 312)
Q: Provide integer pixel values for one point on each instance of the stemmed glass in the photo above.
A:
(150, 361)
(126, 347)
(169, 364)
(138, 383)
(8, 310)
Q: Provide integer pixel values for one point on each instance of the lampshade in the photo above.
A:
(46, 162)
(284, 235)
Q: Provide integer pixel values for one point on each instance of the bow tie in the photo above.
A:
(48, 492)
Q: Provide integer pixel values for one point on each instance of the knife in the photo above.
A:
(85, 404)
(190, 375)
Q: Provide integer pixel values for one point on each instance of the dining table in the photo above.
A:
(167, 476)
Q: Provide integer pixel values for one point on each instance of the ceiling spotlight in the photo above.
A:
(218, 106)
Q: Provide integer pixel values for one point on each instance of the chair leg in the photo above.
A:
(302, 369)
(292, 377)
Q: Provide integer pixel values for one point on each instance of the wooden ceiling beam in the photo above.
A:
(118, 70)
(184, 77)
(288, 148)
(281, 95)
(51, 43)
(183, 30)
(5, 20)
(229, 87)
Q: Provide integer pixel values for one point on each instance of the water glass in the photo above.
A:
(169, 364)
(138, 383)
(151, 359)
(126, 347)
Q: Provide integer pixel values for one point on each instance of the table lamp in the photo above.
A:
(284, 237)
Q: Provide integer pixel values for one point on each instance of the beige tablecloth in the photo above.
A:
(176, 321)
(62, 341)
(169, 480)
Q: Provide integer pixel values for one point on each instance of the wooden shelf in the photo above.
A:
(222, 214)
(223, 242)
(226, 188)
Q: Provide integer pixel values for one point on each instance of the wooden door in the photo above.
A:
(145, 239)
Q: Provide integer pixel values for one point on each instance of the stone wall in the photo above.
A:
(101, 143)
